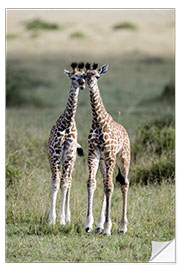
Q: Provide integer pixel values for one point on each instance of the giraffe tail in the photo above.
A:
(80, 150)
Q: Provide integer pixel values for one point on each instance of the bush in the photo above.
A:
(169, 92)
(11, 36)
(78, 35)
(160, 170)
(38, 24)
(155, 137)
(125, 25)
(153, 152)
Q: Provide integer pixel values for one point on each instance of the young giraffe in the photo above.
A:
(62, 147)
(108, 144)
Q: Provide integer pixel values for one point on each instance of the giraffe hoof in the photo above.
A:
(106, 234)
(99, 230)
(123, 231)
(88, 229)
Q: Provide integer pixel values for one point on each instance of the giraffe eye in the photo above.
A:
(97, 77)
(73, 79)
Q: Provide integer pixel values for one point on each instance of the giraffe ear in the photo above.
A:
(67, 73)
(103, 69)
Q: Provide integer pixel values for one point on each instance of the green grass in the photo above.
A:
(22, 86)
(131, 92)
(150, 216)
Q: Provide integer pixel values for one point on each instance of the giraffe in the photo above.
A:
(62, 145)
(108, 145)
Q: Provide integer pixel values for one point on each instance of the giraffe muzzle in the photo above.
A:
(82, 84)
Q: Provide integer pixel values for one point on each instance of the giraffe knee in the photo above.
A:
(55, 186)
(91, 184)
(65, 183)
(108, 189)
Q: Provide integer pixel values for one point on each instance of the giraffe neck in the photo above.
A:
(98, 110)
(70, 110)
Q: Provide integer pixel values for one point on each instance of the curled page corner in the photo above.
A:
(163, 251)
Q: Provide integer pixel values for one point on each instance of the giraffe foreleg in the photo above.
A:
(108, 190)
(66, 179)
(101, 218)
(93, 163)
(55, 188)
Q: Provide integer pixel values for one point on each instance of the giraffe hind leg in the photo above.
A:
(123, 160)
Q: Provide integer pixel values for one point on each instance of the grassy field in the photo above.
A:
(138, 92)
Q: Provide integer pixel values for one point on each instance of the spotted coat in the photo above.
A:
(108, 145)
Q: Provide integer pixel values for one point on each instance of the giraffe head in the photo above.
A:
(77, 75)
(93, 74)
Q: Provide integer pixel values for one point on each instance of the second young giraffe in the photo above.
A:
(108, 145)
(62, 146)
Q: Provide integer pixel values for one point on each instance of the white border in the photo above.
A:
(77, 4)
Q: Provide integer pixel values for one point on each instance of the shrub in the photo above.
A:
(161, 169)
(155, 137)
(38, 24)
(11, 36)
(169, 92)
(125, 25)
(153, 152)
(78, 35)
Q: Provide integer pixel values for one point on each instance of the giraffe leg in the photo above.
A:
(93, 163)
(64, 188)
(67, 207)
(66, 179)
(55, 187)
(108, 189)
(101, 218)
(123, 161)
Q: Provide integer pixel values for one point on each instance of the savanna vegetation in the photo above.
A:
(139, 92)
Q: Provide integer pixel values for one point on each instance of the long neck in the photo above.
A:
(98, 110)
(70, 110)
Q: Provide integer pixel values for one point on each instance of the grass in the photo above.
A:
(22, 86)
(130, 91)
(150, 216)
